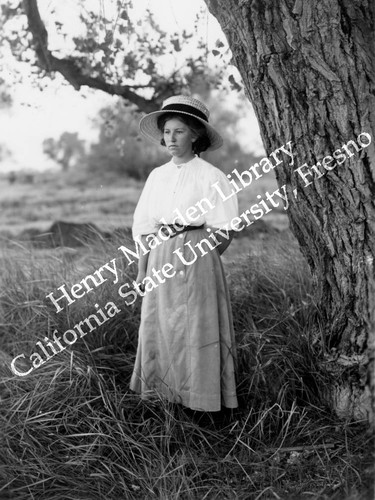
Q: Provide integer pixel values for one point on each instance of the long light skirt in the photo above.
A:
(186, 346)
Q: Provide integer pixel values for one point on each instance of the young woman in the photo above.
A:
(186, 347)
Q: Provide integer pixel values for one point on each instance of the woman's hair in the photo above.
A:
(201, 143)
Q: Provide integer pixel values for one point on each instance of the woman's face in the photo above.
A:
(178, 138)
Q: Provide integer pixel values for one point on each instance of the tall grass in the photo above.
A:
(72, 430)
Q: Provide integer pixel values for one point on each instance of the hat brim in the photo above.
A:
(149, 128)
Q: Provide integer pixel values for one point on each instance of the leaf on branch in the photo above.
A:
(124, 15)
(176, 44)
(109, 37)
(234, 85)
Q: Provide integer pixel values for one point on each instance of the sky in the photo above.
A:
(37, 114)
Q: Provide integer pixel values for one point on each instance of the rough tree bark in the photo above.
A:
(308, 68)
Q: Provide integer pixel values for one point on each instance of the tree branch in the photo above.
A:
(70, 70)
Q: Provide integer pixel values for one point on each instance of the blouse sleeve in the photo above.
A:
(142, 222)
(223, 198)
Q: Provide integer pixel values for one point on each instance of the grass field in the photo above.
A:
(106, 200)
(72, 430)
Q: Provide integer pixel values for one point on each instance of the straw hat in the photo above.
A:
(183, 105)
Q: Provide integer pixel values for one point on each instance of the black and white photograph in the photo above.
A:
(187, 244)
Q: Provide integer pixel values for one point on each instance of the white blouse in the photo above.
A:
(185, 194)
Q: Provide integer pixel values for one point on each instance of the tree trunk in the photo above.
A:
(308, 69)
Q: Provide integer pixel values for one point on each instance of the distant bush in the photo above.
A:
(120, 147)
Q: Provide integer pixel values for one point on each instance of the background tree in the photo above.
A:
(118, 54)
(5, 94)
(65, 151)
(122, 149)
(4, 151)
(308, 69)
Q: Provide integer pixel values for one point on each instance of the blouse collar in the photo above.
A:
(179, 165)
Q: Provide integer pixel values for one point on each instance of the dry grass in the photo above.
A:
(71, 429)
(105, 198)
(75, 197)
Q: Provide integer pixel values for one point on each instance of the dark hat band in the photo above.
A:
(187, 109)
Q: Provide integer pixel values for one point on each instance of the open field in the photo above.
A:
(72, 197)
(106, 201)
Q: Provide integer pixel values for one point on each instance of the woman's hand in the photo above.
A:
(140, 276)
(139, 279)
(142, 267)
